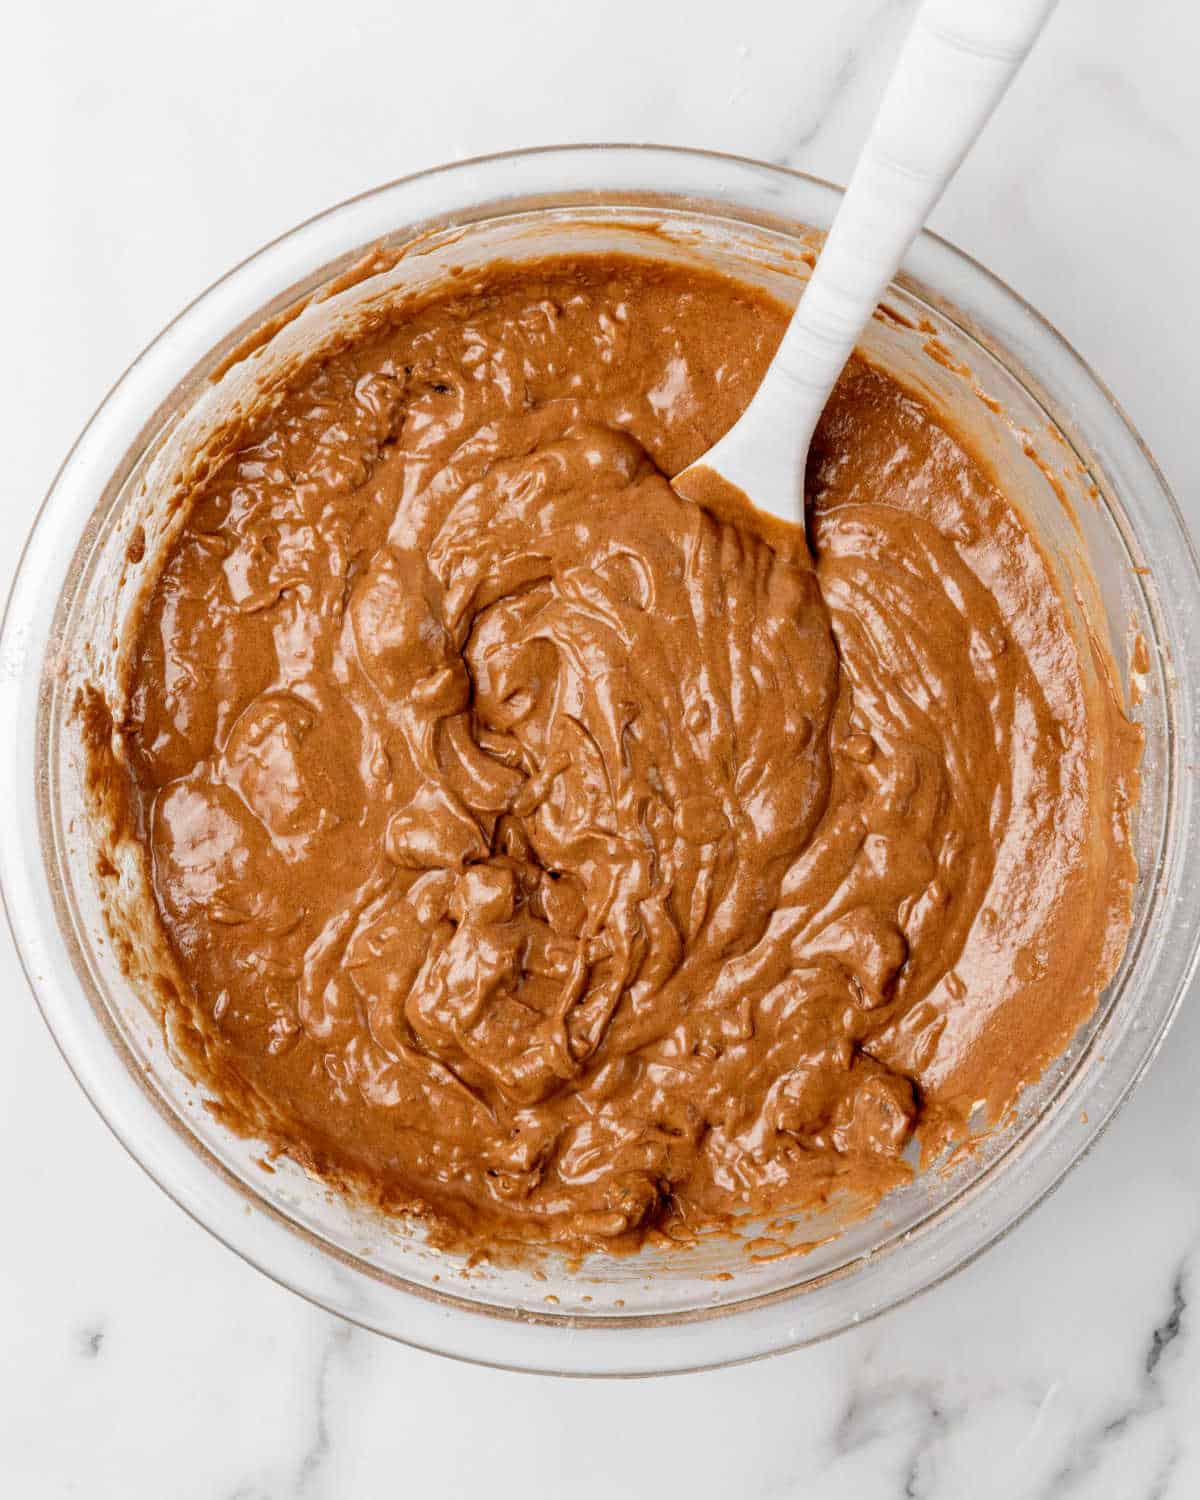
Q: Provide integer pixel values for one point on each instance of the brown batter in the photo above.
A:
(552, 857)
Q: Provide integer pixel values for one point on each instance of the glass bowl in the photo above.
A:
(1031, 408)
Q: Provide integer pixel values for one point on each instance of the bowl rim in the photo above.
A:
(119, 428)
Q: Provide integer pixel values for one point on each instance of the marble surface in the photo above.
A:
(152, 145)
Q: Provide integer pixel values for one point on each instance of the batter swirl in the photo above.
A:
(552, 856)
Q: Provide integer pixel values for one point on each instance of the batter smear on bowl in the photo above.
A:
(546, 855)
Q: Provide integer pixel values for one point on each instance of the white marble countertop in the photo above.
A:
(153, 143)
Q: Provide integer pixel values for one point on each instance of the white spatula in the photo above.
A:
(952, 72)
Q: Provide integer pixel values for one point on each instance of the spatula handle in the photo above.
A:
(954, 67)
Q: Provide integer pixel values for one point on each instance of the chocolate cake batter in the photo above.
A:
(551, 857)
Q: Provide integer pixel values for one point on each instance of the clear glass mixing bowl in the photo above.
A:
(954, 332)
